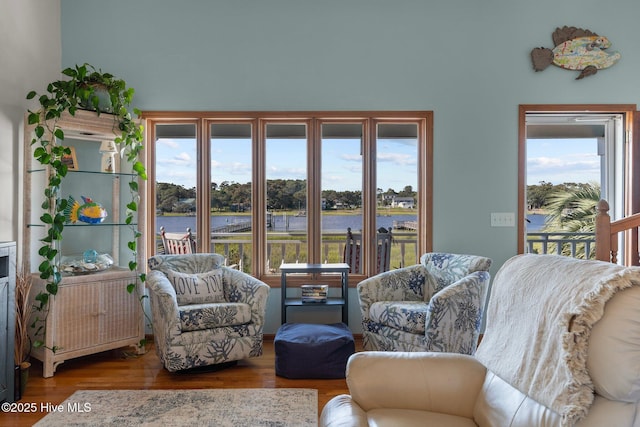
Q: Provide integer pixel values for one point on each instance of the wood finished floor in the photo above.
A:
(116, 370)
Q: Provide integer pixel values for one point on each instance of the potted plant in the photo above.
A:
(100, 91)
(22, 345)
(84, 87)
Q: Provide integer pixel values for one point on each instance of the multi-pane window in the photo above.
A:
(267, 188)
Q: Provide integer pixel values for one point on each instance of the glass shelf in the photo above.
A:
(112, 174)
(102, 224)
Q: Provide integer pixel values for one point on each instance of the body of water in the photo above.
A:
(536, 222)
(330, 223)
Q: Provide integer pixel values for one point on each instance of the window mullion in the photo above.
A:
(314, 165)
(259, 202)
(369, 187)
(203, 191)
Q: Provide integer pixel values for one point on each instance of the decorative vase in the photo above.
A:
(17, 388)
(107, 163)
(24, 376)
(108, 150)
(104, 99)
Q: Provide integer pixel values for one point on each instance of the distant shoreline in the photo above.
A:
(336, 212)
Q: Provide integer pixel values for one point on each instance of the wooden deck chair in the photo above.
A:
(178, 243)
(352, 251)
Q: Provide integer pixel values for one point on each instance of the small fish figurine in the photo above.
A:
(89, 212)
(575, 49)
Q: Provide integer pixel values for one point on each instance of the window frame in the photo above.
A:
(314, 120)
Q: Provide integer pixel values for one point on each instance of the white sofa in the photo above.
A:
(561, 348)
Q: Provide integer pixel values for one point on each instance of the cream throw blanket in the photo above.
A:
(539, 320)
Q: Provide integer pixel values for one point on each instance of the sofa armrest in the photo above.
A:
(402, 284)
(439, 382)
(241, 287)
(455, 315)
(342, 411)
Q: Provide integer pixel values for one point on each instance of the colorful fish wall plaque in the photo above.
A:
(89, 211)
(575, 49)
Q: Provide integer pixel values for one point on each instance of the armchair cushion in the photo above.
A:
(408, 316)
(197, 288)
(207, 316)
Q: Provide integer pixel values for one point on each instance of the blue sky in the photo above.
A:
(286, 159)
(550, 160)
(562, 160)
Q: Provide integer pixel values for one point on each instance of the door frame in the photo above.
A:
(632, 193)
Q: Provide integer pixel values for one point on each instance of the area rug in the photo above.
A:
(209, 407)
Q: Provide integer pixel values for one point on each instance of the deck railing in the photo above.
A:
(403, 248)
(291, 248)
(612, 234)
(575, 245)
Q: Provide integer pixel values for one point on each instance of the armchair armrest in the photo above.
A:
(160, 287)
(455, 315)
(440, 382)
(403, 284)
(241, 287)
(165, 304)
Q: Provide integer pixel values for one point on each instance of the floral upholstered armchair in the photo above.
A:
(203, 312)
(436, 305)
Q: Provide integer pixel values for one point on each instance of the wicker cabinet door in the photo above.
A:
(121, 311)
(77, 317)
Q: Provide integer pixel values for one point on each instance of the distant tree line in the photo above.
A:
(282, 194)
(540, 196)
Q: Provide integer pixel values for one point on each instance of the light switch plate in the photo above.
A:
(503, 219)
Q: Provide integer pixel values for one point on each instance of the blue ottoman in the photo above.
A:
(313, 350)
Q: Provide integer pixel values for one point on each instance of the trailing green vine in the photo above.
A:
(85, 88)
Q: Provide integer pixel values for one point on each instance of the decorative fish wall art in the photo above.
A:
(89, 211)
(575, 49)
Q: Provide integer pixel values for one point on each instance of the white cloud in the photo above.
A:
(352, 157)
(169, 143)
(400, 159)
(579, 167)
(278, 172)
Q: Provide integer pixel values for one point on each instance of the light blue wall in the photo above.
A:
(30, 55)
(466, 60)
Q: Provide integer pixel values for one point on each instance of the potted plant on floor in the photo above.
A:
(22, 345)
